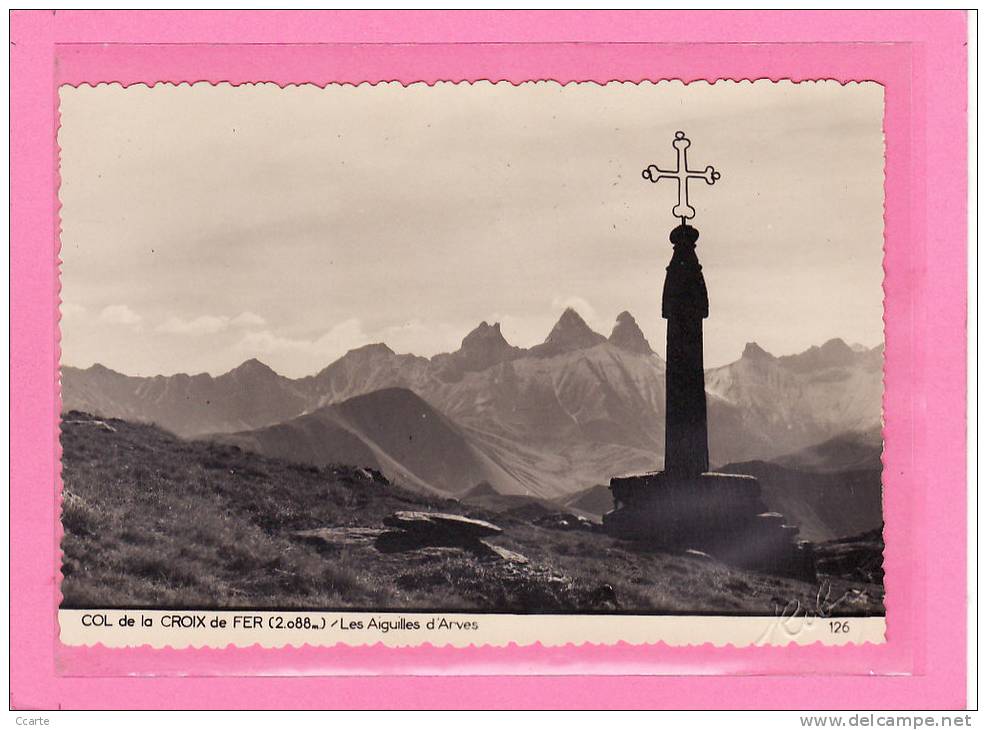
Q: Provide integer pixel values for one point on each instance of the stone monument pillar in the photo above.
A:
(685, 305)
(685, 506)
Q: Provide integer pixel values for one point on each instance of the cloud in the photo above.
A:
(120, 314)
(421, 338)
(525, 330)
(204, 325)
(586, 310)
(337, 341)
(248, 320)
(208, 324)
(302, 356)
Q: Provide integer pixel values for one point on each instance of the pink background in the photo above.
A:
(920, 58)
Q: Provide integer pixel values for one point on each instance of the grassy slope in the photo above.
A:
(152, 520)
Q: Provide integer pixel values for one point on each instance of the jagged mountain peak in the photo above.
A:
(569, 314)
(753, 351)
(571, 332)
(482, 348)
(627, 335)
(485, 346)
(485, 335)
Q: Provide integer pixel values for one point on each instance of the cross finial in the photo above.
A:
(682, 173)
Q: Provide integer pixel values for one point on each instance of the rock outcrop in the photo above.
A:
(428, 530)
(441, 525)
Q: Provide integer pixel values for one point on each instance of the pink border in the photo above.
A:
(925, 329)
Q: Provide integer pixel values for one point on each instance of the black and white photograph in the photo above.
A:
(473, 348)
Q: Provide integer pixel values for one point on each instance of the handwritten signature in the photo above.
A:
(793, 618)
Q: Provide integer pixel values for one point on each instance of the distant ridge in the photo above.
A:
(547, 421)
(834, 353)
(779, 405)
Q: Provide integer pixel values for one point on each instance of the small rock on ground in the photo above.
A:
(341, 535)
(504, 554)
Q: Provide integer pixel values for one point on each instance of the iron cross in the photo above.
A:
(682, 173)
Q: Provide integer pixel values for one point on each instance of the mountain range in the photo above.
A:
(545, 421)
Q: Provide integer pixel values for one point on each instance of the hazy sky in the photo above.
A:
(205, 225)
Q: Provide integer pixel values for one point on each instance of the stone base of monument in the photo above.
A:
(719, 514)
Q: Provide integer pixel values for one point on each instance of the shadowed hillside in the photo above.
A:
(596, 501)
(392, 430)
(152, 520)
(848, 451)
(831, 491)
(825, 506)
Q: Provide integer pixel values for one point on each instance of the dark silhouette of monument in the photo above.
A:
(685, 506)
(685, 305)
